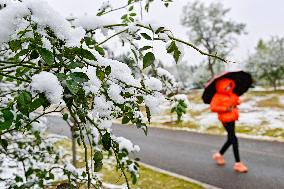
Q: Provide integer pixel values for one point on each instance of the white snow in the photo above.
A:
(105, 124)
(127, 145)
(182, 97)
(69, 167)
(154, 102)
(47, 83)
(91, 22)
(153, 84)
(45, 15)
(114, 91)
(132, 28)
(40, 125)
(102, 107)
(10, 17)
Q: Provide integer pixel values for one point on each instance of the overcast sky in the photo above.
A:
(263, 18)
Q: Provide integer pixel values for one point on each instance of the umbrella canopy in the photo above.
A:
(243, 81)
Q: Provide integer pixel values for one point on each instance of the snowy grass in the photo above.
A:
(261, 115)
(113, 179)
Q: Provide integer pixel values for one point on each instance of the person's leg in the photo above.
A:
(239, 166)
(228, 142)
(218, 156)
(234, 140)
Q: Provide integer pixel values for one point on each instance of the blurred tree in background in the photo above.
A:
(209, 28)
(267, 62)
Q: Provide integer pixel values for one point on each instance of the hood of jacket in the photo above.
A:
(223, 83)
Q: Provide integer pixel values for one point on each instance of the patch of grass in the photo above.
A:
(265, 93)
(150, 179)
(245, 129)
(214, 129)
(195, 96)
(275, 132)
(183, 124)
(272, 102)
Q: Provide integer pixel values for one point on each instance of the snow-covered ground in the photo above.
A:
(257, 111)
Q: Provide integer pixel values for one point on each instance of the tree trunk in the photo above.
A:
(74, 152)
(210, 67)
(274, 84)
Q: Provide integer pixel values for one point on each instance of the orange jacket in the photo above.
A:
(223, 100)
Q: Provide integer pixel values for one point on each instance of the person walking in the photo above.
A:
(224, 102)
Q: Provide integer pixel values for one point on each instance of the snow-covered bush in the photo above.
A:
(49, 64)
(180, 106)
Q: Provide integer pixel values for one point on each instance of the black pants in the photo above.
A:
(232, 139)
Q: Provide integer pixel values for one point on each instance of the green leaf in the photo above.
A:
(23, 102)
(46, 55)
(135, 55)
(146, 36)
(89, 41)
(124, 17)
(65, 116)
(84, 174)
(29, 172)
(125, 120)
(98, 156)
(85, 54)
(106, 140)
(139, 99)
(159, 30)
(44, 101)
(79, 77)
(132, 14)
(176, 55)
(15, 45)
(145, 48)
(131, 8)
(173, 49)
(100, 74)
(98, 166)
(7, 115)
(61, 76)
(100, 50)
(133, 178)
(34, 54)
(148, 59)
(108, 70)
(18, 179)
(8, 119)
(72, 86)
(4, 143)
(22, 53)
(74, 65)
(36, 104)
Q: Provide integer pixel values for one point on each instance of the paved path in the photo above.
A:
(189, 154)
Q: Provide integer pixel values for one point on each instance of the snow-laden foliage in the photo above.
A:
(53, 65)
(210, 29)
(180, 106)
(267, 62)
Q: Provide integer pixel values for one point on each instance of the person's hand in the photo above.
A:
(230, 108)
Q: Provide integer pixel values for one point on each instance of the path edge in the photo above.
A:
(204, 185)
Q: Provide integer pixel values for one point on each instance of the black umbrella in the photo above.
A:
(243, 81)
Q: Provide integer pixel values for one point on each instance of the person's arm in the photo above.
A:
(216, 107)
(237, 100)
